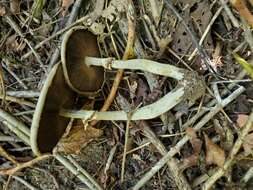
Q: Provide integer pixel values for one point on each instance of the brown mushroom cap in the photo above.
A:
(47, 125)
(77, 44)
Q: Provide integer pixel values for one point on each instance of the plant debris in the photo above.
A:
(149, 94)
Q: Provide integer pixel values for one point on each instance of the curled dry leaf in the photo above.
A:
(214, 154)
(77, 138)
(196, 143)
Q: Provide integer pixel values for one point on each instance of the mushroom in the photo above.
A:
(190, 86)
(47, 125)
(77, 44)
(84, 75)
(61, 87)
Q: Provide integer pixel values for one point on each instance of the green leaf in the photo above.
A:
(248, 67)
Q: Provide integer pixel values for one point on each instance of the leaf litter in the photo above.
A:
(162, 37)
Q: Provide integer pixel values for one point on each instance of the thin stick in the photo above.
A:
(125, 148)
(19, 167)
(215, 16)
(14, 25)
(87, 175)
(14, 122)
(175, 171)
(201, 51)
(86, 20)
(13, 74)
(230, 14)
(17, 100)
(21, 180)
(174, 150)
(221, 171)
(23, 94)
(71, 18)
(71, 167)
(129, 46)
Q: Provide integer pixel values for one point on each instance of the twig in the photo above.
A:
(6, 155)
(220, 172)
(87, 175)
(125, 147)
(201, 51)
(14, 122)
(178, 177)
(14, 25)
(175, 171)
(71, 167)
(128, 50)
(19, 167)
(109, 160)
(71, 19)
(248, 175)
(230, 14)
(13, 74)
(23, 94)
(215, 16)
(28, 185)
(17, 100)
(174, 150)
(86, 20)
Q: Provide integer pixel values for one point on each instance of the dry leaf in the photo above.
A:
(214, 154)
(248, 144)
(241, 120)
(2, 10)
(65, 5)
(15, 6)
(196, 143)
(77, 138)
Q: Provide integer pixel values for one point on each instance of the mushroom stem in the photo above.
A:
(138, 64)
(147, 112)
(187, 82)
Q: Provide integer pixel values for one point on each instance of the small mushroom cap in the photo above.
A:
(47, 125)
(77, 44)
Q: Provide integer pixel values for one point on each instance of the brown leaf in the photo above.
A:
(65, 5)
(248, 144)
(15, 6)
(77, 138)
(196, 143)
(214, 154)
(2, 10)
(241, 120)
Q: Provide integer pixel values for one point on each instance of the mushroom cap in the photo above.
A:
(47, 125)
(76, 45)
